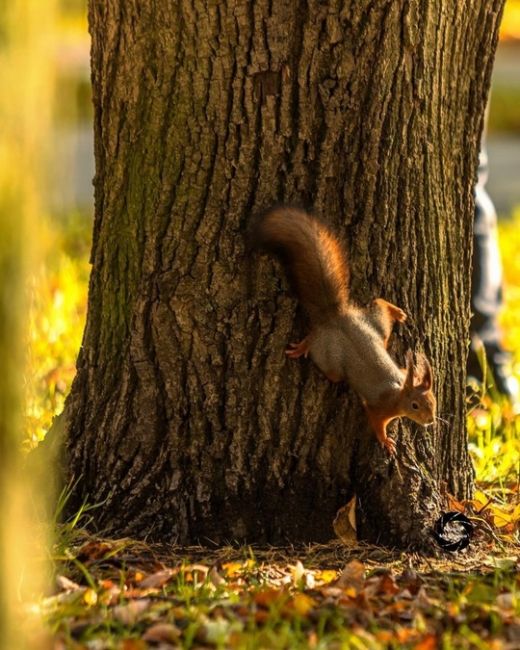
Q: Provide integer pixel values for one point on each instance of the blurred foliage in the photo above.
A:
(510, 27)
(504, 116)
(58, 297)
(27, 74)
(493, 423)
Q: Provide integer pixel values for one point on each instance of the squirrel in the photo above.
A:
(346, 341)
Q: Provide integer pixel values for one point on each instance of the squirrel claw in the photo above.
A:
(389, 445)
(400, 315)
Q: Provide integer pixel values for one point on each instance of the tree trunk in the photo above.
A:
(186, 421)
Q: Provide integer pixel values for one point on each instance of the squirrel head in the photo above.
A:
(417, 399)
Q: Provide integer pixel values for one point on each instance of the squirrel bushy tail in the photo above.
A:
(314, 259)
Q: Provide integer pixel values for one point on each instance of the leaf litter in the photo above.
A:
(130, 595)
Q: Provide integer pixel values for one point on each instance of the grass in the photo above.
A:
(123, 594)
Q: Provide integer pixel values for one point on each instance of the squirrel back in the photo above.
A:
(313, 257)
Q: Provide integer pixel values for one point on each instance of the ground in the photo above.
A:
(128, 595)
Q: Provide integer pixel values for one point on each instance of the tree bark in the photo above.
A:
(186, 421)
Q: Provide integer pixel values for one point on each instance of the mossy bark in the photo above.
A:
(186, 421)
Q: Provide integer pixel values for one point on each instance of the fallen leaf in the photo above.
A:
(65, 584)
(387, 585)
(162, 633)
(232, 569)
(132, 644)
(428, 642)
(301, 603)
(156, 580)
(353, 575)
(195, 572)
(129, 614)
(215, 578)
(297, 572)
(506, 601)
(90, 597)
(344, 523)
(327, 575)
(405, 634)
(93, 551)
(267, 597)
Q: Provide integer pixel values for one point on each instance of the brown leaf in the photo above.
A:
(156, 580)
(162, 633)
(387, 585)
(129, 614)
(267, 597)
(132, 644)
(428, 642)
(353, 575)
(93, 551)
(344, 523)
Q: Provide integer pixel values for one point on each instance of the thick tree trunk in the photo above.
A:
(186, 421)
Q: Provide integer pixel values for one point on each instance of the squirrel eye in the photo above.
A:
(415, 406)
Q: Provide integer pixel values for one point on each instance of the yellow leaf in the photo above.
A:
(302, 604)
(232, 569)
(327, 575)
(90, 597)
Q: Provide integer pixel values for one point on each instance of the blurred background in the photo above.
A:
(63, 196)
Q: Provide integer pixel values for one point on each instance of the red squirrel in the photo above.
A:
(346, 342)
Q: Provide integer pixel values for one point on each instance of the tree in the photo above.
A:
(185, 421)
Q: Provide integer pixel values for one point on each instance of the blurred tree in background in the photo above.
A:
(26, 100)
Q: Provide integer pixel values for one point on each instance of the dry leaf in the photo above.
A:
(353, 575)
(156, 580)
(297, 572)
(132, 644)
(93, 551)
(345, 523)
(387, 585)
(129, 614)
(65, 584)
(428, 642)
(215, 578)
(267, 597)
(302, 604)
(162, 633)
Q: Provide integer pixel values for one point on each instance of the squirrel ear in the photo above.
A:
(427, 379)
(410, 370)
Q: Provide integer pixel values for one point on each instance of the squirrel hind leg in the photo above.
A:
(382, 315)
(297, 350)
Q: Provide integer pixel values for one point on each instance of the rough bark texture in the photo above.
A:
(186, 421)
